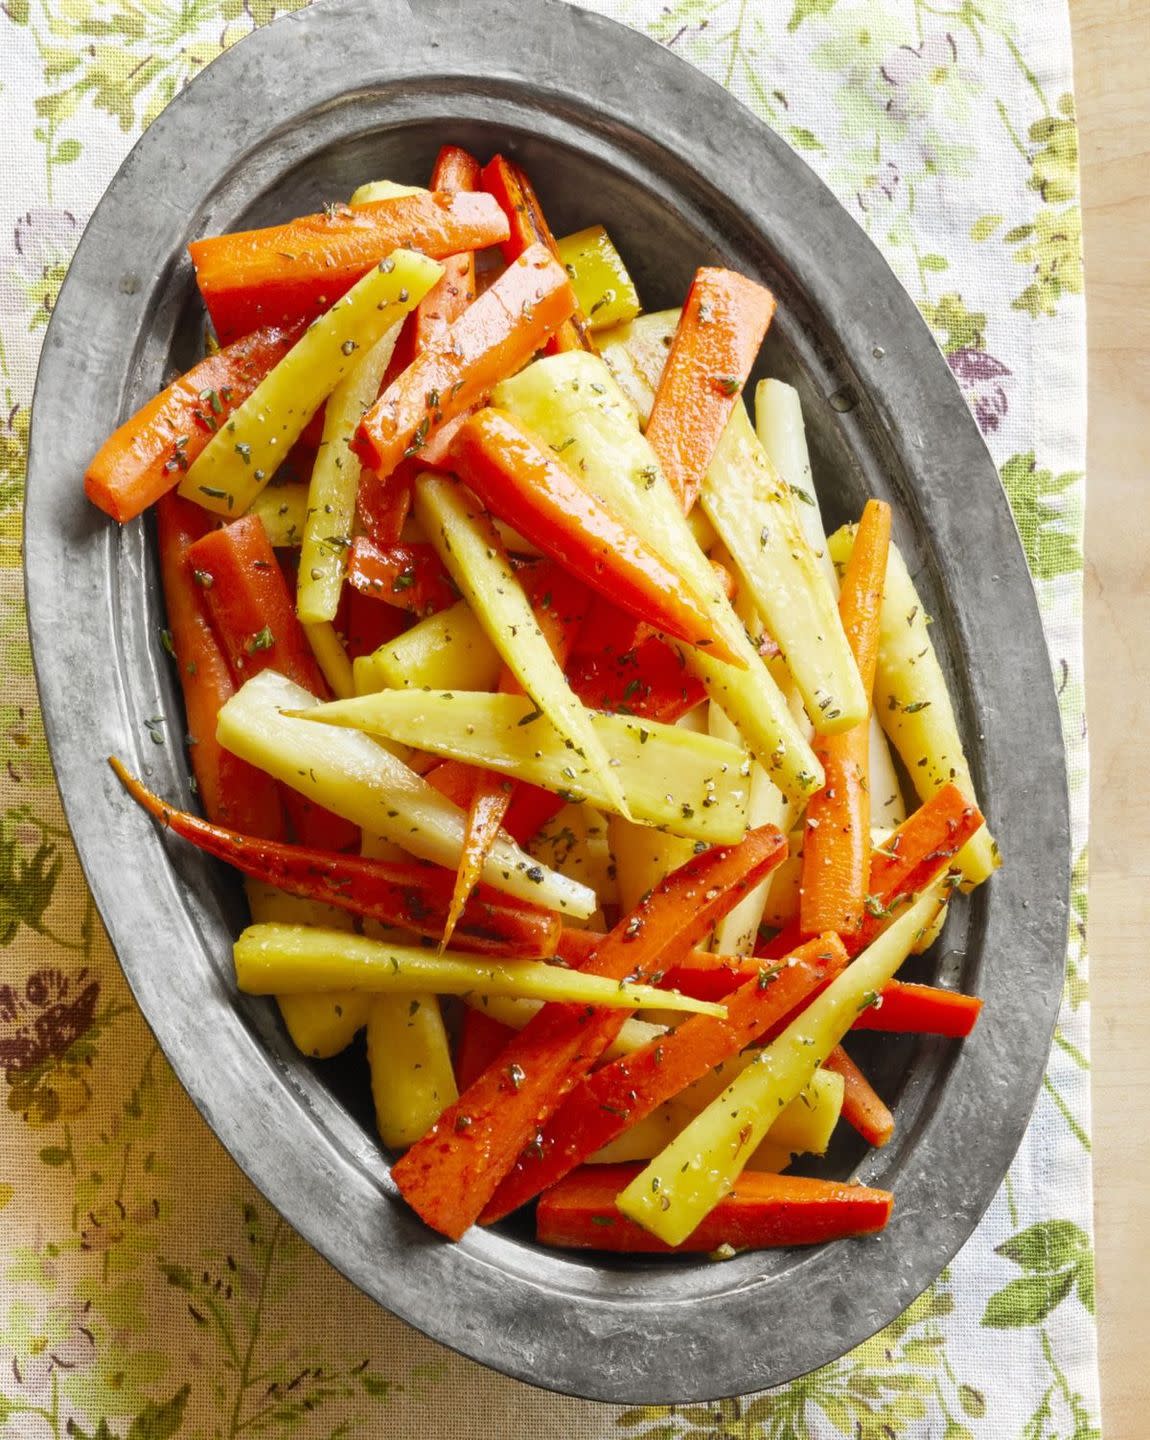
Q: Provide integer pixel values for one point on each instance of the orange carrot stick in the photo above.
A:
(837, 844)
(231, 791)
(493, 338)
(918, 852)
(862, 1107)
(715, 345)
(148, 454)
(762, 1210)
(291, 272)
(516, 197)
(622, 1093)
(524, 482)
(384, 501)
(450, 1174)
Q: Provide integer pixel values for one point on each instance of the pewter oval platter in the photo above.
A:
(612, 128)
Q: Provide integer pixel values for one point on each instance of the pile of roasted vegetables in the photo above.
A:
(518, 669)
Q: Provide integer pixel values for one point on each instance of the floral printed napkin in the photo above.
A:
(146, 1291)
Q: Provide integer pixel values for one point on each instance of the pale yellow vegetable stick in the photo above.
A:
(470, 548)
(782, 433)
(912, 701)
(738, 931)
(644, 857)
(444, 650)
(283, 509)
(412, 1080)
(335, 484)
(324, 1024)
(571, 400)
(244, 453)
(575, 842)
(694, 785)
(636, 354)
(688, 1179)
(382, 190)
(331, 657)
(353, 776)
(294, 959)
(753, 513)
(365, 676)
(804, 1127)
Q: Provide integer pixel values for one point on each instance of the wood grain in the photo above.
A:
(1112, 75)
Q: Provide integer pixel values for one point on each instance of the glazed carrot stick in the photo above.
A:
(407, 894)
(384, 501)
(410, 577)
(918, 852)
(718, 337)
(516, 197)
(254, 619)
(291, 272)
(649, 681)
(837, 844)
(492, 339)
(762, 1210)
(524, 482)
(862, 1107)
(251, 609)
(148, 455)
(558, 603)
(622, 1093)
(900, 1008)
(907, 1009)
(455, 172)
(451, 1173)
(480, 1041)
(231, 791)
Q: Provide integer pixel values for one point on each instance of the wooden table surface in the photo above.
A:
(1112, 68)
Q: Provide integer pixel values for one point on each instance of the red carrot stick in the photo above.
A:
(405, 894)
(231, 791)
(253, 615)
(622, 1093)
(516, 197)
(250, 605)
(907, 1009)
(450, 1174)
(410, 577)
(762, 1210)
(480, 1041)
(715, 345)
(148, 455)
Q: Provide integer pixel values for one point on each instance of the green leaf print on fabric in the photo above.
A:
(154, 1422)
(1057, 1258)
(883, 1390)
(1048, 515)
(242, 1303)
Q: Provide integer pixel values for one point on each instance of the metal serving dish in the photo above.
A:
(614, 129)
